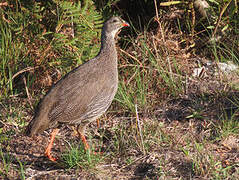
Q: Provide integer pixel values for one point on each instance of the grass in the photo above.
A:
(6, 162)
(76, 157)
(21, 170)
(163, 124)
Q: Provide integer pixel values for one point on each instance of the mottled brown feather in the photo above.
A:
(86, 92)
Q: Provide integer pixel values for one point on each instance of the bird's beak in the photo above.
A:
(125, 24)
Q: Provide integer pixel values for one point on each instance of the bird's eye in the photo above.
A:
(115, 20)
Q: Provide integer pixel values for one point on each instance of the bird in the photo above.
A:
(82, 95)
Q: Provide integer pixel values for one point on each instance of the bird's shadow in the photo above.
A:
(23, 152)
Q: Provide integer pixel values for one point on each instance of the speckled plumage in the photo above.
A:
(86, 92)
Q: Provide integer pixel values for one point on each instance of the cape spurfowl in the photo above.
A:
(83, 94)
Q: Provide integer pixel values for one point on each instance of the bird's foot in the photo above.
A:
(48, 149)
(98, 151)
(49, 156)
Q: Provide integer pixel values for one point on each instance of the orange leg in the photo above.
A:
(82, 136)
(98, 123)
(81, 131)
(48, 149)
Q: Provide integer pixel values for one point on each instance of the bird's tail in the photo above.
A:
(28, 131)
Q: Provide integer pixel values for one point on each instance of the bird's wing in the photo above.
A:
(75, 94)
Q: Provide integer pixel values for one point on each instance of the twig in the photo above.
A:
(220, 17)
(156, 9)
(140, 158)
(186, 85)
(22, 71)
(28, 94)
(134, 58)
(37, 173)
(155, 47)
(5, 4)
(191, 7)
(163, 38)
(139, 127)
(131, 78)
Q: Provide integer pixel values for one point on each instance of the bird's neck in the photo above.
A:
(108, 44)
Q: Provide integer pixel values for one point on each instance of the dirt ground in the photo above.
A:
(164, 161)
